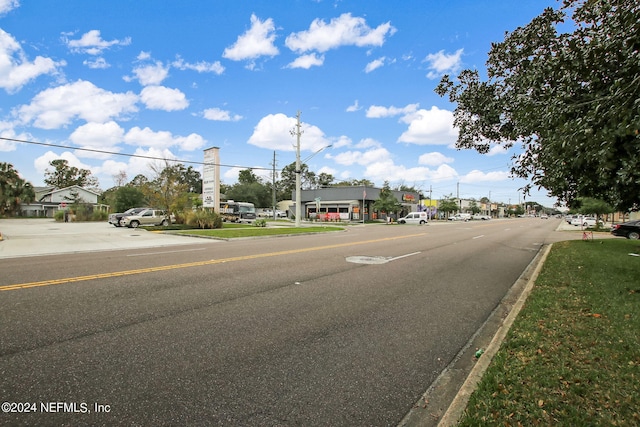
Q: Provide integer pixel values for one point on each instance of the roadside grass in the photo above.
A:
(572, 357)
(250, 231)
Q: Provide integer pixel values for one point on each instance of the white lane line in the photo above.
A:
(477, 237)
(404, 256)
(375, 260)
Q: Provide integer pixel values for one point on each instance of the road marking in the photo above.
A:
(195, 264)
(166, 252)
(477, 237)
(375, 260)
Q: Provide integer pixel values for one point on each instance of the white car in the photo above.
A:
(268, 213)
(414, 218)
(481, 217)
(460, 217)
(587, 221)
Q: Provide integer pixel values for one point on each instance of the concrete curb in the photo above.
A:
(459, 404)
(447, 397)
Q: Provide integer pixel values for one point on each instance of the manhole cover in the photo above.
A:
(367, 259)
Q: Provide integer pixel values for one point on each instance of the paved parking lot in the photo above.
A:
(44, 236)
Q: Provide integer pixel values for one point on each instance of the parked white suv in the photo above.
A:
(414, 218)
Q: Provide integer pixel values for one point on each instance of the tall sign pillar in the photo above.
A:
(211, 179)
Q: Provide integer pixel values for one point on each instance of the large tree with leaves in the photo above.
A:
(386, 201)
(570, 98)
(13, 190)
(63, 175)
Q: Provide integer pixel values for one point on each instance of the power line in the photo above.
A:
(140, 156)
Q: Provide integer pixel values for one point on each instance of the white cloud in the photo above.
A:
(497, 150)
(42, 163)
(15, 68)
(440, 63)
(98, 63)
(92, 43)
(363, 158)
(163, 98)
(354, 107)
(434, 159)
(342, 141)
(307, 61)
(142, 164)
(342, 31)
(216, 114)
(389, 171)
(368, 143)
(57, 107)
(274, 132)
(7, 131)
(98, 136)
(162, 140)
(430, 127)
(200, 67)
(479, 176)
(152, 74)
(257, 41)
(377, 111)
(374, 65)
(7, 5)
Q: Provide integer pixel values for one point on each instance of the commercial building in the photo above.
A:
(350, 203)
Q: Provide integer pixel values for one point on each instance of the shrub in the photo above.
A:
(260, 222)
(203, 218)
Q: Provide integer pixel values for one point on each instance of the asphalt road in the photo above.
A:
(347, 328)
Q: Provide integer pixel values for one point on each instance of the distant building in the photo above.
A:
(49, 200)
(350, 203)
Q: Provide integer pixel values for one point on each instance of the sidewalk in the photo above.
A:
(44, 236)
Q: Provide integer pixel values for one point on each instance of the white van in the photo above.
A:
(414, 218)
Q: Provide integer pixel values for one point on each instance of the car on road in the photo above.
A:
(481, 217)
(115, 218)
(460, 217)
(414, 218)
(630, 230)
(544, 216)
(147, 217)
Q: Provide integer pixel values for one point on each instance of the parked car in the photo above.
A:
(115, 218)
(460, 217)
(630, 230)
(481, 217)
(268, 213)
(544, 216)
(147, 217)
(414, 218)
(586, 221)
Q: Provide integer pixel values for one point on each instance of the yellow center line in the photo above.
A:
(193, 264)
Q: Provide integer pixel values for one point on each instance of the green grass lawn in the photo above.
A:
(572, 357)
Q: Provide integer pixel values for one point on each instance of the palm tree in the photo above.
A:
(13, 190)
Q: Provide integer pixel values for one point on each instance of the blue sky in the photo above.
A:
(169, 79)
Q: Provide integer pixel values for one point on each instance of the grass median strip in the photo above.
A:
(572, 357)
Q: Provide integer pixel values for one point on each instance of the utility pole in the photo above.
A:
(273, 184)
(297, 134)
